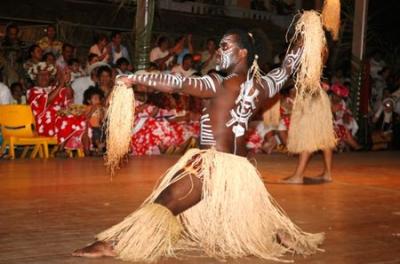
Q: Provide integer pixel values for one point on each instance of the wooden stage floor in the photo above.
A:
(48, 208)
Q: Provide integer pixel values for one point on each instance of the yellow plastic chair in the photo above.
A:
(18, 129)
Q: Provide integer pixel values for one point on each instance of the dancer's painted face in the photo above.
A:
(227, 54)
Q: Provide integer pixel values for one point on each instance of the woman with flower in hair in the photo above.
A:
(52, 109)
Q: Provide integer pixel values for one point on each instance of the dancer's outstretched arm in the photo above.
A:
(275, 79)
(205, 86)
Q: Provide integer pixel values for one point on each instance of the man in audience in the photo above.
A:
(117, 49)
(66, 55)
(161, 55)
(185, 69)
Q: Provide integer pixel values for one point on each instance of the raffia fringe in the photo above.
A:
(311, 124)
(146, 235)
(120, 119)
(331, 17)
(236, 218)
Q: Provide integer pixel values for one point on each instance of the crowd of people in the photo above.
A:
(69, 97)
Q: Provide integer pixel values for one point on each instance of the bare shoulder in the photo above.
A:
(233, 81)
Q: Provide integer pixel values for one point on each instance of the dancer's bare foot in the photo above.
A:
(321, 179)
(295, 179)
(96, 250)
(326, 177)
(284, 239)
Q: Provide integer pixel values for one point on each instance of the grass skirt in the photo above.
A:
(236, 217)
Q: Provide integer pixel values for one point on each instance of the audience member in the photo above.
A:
(66, 55)
(17, 93)
(49, 43)
(101, 49)
(209, 57)
(5, 94)
(185, 69)
(117, 49)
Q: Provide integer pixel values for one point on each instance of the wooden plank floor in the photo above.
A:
(48, 208)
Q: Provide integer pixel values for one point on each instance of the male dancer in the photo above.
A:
(233, 102)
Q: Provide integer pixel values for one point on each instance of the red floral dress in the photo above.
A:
(150, 133)
(67, 128)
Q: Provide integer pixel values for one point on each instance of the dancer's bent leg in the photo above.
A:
(177, 197)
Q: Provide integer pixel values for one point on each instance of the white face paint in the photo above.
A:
(226, 59)
(225, 52)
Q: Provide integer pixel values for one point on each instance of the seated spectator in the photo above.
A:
(183, 46)
(17, 93)
(5, 94)
(101, 49)
(385, 120)
(95, 113)
(67, 54)
(13, 49)
(209, 57)
(117, 49)
(162, 55)
(81, 84)
(186, 68)
(49, 43)
(122, 66)
(35, 56)
(49, 58)
(105, 80)
(92, 58)
(51, 107)
(75, 69)
(343, 120)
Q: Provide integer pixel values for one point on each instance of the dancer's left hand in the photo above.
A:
(128, 81)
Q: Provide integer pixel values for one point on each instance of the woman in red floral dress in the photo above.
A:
(51, 107)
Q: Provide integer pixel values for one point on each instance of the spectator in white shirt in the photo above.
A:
(161, 55)
(5, 94)
(185, 69)
(66, 55)
(81, 84)
(117, 49)
(101, 48)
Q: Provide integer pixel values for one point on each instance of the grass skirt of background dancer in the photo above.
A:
(236, 217)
